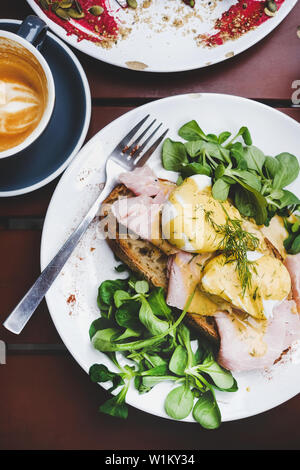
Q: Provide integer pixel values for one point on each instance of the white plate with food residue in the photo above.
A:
(72, 298)
(169, 36)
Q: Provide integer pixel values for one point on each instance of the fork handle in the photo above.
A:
(26, 307)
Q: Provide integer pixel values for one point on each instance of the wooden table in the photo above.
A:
(47, 400)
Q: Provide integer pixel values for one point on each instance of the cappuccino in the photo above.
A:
(23, 93)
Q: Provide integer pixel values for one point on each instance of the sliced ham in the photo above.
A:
(292, 322)
(292, 263)
(247, 346)
(138, 214)
(180, 286)
(141, 216)
(143, 181)
(185, 271)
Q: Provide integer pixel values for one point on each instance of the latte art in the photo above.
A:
(19, 108)
(23, 93)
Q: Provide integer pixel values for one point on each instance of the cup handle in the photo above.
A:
(34, 30)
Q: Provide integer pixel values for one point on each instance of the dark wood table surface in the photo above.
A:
(46, 400)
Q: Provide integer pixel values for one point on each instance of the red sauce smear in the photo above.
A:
(104, 26)
(238, 20)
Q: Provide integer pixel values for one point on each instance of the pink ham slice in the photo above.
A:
(143, 181)
(292, 323)
(138, 214)
(178, 292)
(282, 330)
(184, 272)
(141, 216)
(292, 263)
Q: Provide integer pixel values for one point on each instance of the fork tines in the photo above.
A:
(133, 150)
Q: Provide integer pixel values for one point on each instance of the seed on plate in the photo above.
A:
(65, 4)
(78, 6)
(54, 6)
(73, 13)
(44, 4)
(298, 31)
(96, 10)
(268, 12)
(272, 6)
(62, 14)
(132, 3)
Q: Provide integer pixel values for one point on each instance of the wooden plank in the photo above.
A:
(292, 112)
(31, 204)
(48, 402)
(266, 70)
(15, 10)
(19, 254)
(103, 115)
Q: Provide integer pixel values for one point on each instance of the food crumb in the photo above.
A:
(71, 299)
(136, 65)
(178, 22)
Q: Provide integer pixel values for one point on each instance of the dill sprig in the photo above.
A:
(235, 243)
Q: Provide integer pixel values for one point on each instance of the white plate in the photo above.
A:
(273, 132)
(163, 48)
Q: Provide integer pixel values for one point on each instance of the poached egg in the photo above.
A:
(186, 225)
(185, 216)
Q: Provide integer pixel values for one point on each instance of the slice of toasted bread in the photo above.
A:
(148, 260)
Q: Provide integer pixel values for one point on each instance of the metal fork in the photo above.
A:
(126, 156)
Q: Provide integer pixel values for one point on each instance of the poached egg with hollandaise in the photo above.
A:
(270, 283)
(187, 224)
(184, 216)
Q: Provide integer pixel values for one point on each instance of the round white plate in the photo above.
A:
(93, 261)
(162, 47)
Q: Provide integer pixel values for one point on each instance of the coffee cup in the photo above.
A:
(27, 92)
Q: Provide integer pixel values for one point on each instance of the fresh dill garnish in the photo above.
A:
(235, 243)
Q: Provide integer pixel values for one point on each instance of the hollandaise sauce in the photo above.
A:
(184, 220)
(270, 282)
(276, 233)
(191, 273)
(252, 332)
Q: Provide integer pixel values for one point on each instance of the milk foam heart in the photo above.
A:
(19, 108)
(23, 93)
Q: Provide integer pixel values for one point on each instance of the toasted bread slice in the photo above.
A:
(148, 260)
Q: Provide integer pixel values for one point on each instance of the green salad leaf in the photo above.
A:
(162, 353)
(239, 170)
(206, 411)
